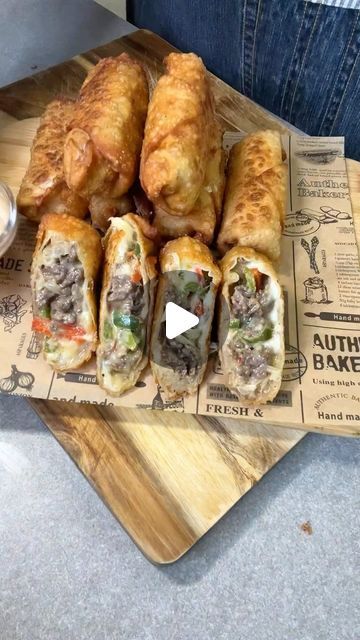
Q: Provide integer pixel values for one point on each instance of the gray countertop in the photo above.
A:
(67, 568)
(38, 34)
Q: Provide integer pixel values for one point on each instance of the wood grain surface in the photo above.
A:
(168, 478)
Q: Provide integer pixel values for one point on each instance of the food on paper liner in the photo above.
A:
(64, 270)
(189, 278)
(126, 305)
(251, 326)
(216, 233)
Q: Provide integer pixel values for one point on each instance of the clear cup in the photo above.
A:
(8, 218)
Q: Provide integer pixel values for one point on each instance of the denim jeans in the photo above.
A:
(298, 59)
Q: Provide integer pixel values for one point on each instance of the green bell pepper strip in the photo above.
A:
(108, 331)
(250, 280)
(45, 312)
(130, 340)
(123, 321)
(265, 335)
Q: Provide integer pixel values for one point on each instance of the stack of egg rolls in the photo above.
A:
(86, 157)
(86, 154)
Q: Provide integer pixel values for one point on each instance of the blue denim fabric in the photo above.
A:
(297, 58)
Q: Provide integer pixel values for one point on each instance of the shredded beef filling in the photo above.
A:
(252, 364)
(172, 294)
(180, 354)
(251, 309)
(121, 363)
(182, 358)
(61, 299)
(123, 297)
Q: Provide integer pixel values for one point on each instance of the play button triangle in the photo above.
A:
(178, 320)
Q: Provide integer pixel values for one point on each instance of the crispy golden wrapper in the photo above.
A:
(103, 208)
(202, 220)
(187, 255)
(43, 188)
(251, 389)
(119, 367)
(102, 148)
(255, 195)
(66, 346)
(176, 142)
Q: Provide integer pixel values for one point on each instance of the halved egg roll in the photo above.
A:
(251, 326)
(202, 220)
(43, 188)
(255, 195)
(176, 142)
(126, 307)
(190, 279)
(64, 269)
(102, 148)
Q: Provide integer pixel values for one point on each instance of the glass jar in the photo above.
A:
(8, 218)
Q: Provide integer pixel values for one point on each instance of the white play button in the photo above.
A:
(178, 320)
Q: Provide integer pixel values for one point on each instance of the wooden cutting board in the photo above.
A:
(167, 477)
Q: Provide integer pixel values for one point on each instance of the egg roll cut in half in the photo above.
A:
(251, 326)
(202, 220)
(176, 142)
(102, 148)
(255, 195)
(190, 279)
(43, 188)
(64, 269)
(126, 307)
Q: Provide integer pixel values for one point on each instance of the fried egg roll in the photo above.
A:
(64, 269)
(255, 195)
(126, 307)
(102, 148)
(176, 142)
(201, 222)
(190, 279)
(43, 188)
(251, 326)
(103, 208)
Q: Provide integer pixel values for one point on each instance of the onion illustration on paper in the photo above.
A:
(22, 379)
